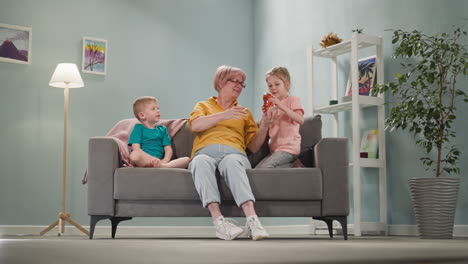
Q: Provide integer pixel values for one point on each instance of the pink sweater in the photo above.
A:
(284, 132)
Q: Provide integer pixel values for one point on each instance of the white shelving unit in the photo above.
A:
(358, 41)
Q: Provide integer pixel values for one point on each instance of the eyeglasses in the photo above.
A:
(237, 82)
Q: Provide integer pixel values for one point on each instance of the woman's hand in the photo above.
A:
(236, 112)
(262, 131)
(267, 118)
(205, 122)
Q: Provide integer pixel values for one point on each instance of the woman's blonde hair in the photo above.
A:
(140, 104)
(225, 72)
(282, 73)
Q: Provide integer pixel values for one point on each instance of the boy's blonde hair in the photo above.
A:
(225, 72)
(140, 104)
(282, 73)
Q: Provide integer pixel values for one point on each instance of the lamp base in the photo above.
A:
(61, 225)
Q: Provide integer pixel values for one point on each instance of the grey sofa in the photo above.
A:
(320, 190)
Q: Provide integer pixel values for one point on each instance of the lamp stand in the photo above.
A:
(63, 215)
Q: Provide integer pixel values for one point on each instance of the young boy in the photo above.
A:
(151, 144)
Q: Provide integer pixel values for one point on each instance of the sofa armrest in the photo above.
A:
(103, 160)
(331, 156)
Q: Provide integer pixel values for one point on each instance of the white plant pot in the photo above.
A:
(434, 204)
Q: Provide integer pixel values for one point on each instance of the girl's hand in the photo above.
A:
(277, 103)
(274, 100)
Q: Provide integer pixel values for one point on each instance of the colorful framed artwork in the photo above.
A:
(15, 43)
(367, 73)
(94, 56)
(369, 144)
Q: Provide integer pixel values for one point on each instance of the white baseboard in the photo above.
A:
(403, 230)
(367, 228)
(412, 230)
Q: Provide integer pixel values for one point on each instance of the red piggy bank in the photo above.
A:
(267, 104)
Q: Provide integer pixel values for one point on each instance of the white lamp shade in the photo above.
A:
(66, 75)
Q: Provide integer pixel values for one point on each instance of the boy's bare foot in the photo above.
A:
(156, 163)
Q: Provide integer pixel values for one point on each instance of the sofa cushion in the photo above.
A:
(256, 157)
(162, 208)
(182, 142)
(150, 184)
(299, 184)
(176, 184)
(311, 133)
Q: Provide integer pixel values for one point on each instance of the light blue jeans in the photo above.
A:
(279, 159)
(231, 164)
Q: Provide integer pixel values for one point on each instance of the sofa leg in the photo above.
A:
(93, 221)
(344, 225)
(329, 221)
(115, 222)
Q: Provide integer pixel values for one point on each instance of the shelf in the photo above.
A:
(354, 104)
(370, 163)
(363, 101)
(363, 41)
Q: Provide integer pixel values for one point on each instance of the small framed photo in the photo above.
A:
(369, 144)
(94, 56)
(367, 73)
(15, 43)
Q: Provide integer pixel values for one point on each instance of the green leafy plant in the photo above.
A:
(426, 94)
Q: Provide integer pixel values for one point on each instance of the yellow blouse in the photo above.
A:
(233, 132)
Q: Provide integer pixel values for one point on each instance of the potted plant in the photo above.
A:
(425, 99)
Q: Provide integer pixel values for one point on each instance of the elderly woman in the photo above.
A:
(223, 131)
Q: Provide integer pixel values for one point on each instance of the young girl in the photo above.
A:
(287, 116)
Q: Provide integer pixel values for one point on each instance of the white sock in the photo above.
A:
(218, 219)
(251, 217)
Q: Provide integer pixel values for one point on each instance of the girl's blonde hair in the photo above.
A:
(225, 72)
(140, 104)
(282, 73)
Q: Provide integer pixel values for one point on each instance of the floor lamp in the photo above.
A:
(66, 76)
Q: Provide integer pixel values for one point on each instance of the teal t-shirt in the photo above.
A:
(152, 141)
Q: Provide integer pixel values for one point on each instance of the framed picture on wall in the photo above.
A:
(94, 56)
(367, 73)
(15, 43)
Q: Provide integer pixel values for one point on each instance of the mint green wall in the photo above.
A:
(166, 48)
(283, 30)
